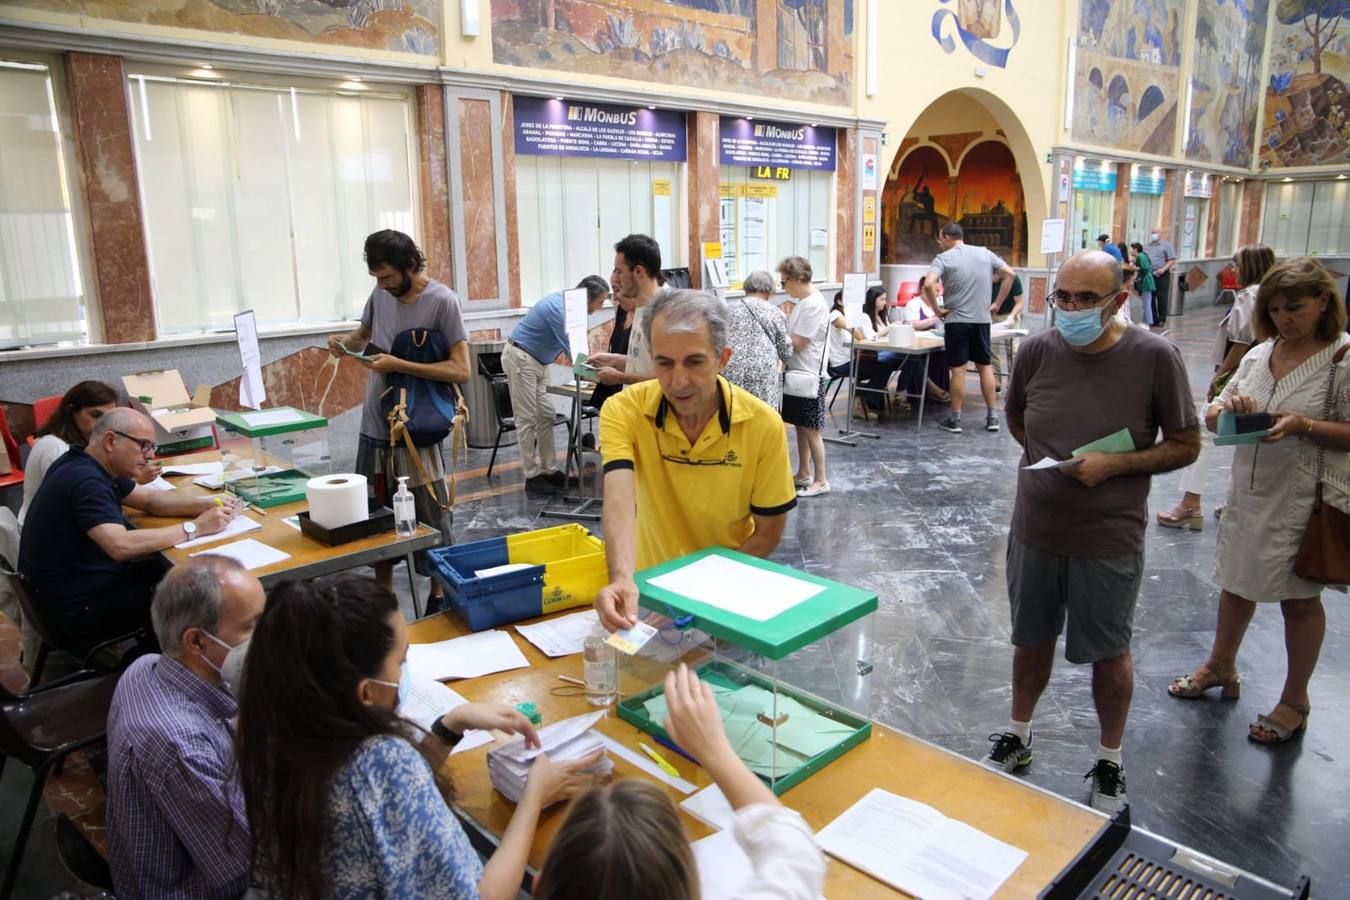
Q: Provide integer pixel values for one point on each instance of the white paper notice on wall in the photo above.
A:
(574, 321)
(715, 273)
(1052, 236)
(251, 391)
(855, 292)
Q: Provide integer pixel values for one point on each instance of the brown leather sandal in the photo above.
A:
(1189, 687)
(1187, 518)
(1266, 730)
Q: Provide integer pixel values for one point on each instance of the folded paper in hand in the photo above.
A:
(509, 765)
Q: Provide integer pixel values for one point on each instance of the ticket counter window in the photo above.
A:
(1230, 210)
(1093, 211)
(1194, 220)
(764, 219)
(573, 209)
(1307, 218)
(1144, 213)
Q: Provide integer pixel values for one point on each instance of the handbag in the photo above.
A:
(802, 384)
(1324, 553)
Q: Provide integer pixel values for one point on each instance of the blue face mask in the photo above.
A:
(401, 686)
(1080, 327)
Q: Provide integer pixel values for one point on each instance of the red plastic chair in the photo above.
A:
(12, 448)
(906, 293)
(43, 408)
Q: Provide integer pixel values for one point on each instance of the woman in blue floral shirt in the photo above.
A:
(343, 801)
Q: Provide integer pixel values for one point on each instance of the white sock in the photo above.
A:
(1021, 729)
(1109, 754)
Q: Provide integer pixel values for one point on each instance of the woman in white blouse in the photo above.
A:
(81, 407)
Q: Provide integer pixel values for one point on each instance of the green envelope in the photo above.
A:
(1118, 442)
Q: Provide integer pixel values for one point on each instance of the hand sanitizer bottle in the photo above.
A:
(600, 666)
(405, 512)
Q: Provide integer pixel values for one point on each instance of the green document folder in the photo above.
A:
(1118, 442)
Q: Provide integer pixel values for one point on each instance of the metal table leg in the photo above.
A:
(581, 508)
(847, 433)
(923, 390)
(412, 586)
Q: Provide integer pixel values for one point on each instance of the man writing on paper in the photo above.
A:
(691, 460)
(1076, 549)
(537, 340)
(78, 554)
(176, 820)
(405, 297)
(637, 274)
(962, 272)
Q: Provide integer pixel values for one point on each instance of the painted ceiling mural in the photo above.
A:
(1307, 120)
(988, 29)
(1230, 39)
(1127, 74)
(401, 26)
(790, 49)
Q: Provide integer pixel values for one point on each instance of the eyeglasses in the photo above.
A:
(1081, 300)
(147, 447)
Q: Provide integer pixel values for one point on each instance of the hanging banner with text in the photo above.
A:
(551, 127)
(750, 142)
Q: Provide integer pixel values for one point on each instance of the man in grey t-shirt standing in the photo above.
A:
(1076, 548)
(1164, 257)
(404, 297)
(967, 275)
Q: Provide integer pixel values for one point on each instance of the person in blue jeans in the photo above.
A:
(875, 370)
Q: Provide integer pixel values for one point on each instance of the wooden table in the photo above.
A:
(309, 558)
(1052, 830)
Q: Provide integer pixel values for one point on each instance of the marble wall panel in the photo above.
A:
(434, 180)
(107, 169)
(1249, 228)
(480, 206)
(704, 189)
(1036, 291)
(507, 125)
(846, 191)
(306, 380)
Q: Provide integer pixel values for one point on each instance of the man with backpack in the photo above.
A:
(415, 345)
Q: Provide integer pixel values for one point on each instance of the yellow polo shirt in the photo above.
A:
(693, 496)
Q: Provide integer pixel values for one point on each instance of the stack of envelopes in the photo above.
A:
(509, 765)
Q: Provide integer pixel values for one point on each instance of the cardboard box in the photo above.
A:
(182, 423)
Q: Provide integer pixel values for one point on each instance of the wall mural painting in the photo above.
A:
(401, 26)
(984, 197)
(790, 49)
(988, 29)
(1230, 39)
(1307, 102)
(1127, 74)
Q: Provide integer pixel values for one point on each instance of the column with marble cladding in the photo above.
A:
(846, 192)
(509, 189)
(480, 203)
(434, 184)
(1212, 221)
(101, 126)
(1249, 228)
(705, 205)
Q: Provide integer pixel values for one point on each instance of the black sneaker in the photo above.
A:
(951, 423)
(588, 441)
(1108, 786)
(991, 422)
(540, 484)
(1008, 753)
(559, 480)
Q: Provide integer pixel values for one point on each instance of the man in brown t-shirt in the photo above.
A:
(1076, 549)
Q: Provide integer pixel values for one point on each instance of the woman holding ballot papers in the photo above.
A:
(1288, 407)
(344, 798)
(624, 840)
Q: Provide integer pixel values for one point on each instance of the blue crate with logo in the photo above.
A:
(521, 576)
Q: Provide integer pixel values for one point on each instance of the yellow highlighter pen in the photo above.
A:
(659, 760)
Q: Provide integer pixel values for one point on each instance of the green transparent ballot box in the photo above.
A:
(270, 454)
(788, 656)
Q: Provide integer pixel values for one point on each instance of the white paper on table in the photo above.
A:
(855, 292)
(271, 417)
(250, 554)
(737, 587)
(206, 468)
(427, 701)
(710, 807)
(562, 636)
(159, 484)
(465, 657)
(251, 390)
(1049, 462)
(724, 871)
(640, 760)
(238, 525)
(913, 847)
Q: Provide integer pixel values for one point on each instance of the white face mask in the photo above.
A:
(231, 671)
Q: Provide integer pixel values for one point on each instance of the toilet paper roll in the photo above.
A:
(337, 500)
(901, 335)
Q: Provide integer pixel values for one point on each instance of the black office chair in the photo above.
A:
(55, 635)
(41, 728)
(80, 857)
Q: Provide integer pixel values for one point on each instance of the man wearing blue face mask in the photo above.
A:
(176, 820)
(1076, 547)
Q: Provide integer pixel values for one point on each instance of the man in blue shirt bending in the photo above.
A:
(539, 339)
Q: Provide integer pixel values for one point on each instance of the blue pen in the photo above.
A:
(671, 745)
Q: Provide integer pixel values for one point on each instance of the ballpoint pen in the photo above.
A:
(659, 760)
(671, 745)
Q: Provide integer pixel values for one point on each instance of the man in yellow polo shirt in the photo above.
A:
(691, 460)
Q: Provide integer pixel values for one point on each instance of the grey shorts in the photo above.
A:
(1097, 594)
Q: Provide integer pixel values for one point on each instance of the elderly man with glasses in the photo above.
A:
(1076, 547)
(691, 461)
(77, 553)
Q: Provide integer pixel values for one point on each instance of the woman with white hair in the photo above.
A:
(757, 334)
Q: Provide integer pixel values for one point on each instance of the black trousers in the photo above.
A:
(118, 609)
(1160, 297)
